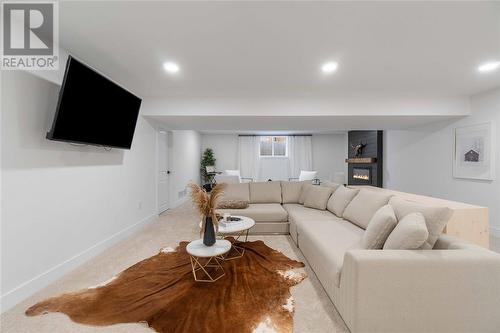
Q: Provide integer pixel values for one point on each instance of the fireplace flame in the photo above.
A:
(362, 177)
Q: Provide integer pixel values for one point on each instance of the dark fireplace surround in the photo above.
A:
(366, 168)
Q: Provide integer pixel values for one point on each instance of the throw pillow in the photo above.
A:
(361, 209)
(409, 234)
(340, 199)
(303, 192)
(379, 228)
(290, 191)
(436, 217)
(233, 204)
(317, 197)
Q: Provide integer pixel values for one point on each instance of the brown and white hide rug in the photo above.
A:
(253, 296)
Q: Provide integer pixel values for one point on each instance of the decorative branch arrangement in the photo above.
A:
(205, 203)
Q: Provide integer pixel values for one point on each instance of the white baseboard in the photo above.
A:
(28, 288)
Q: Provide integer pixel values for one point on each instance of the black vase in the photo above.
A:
(209, 235)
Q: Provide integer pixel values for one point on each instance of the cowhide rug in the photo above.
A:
(253, 296)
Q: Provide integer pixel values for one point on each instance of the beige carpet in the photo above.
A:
(314, 311)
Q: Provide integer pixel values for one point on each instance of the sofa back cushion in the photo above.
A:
(333, 185)
(340, 199)
(364, 205)
(303, 192)
(409, 234)
(236, 192)
(379, 228)
(317, 197)
(436, 217)
(265, 192)
(290, 191)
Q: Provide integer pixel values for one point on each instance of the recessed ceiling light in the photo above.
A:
(171, 67)
(329, 67)
(489, 66)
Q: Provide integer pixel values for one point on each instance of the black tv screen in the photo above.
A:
(93, 110)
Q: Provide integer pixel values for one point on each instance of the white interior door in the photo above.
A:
(163, 171)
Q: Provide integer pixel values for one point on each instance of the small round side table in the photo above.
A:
(197, 250)
(239, 229)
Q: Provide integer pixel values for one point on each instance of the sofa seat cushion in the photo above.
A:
(297, 212)
(324, 244)
(260, 212)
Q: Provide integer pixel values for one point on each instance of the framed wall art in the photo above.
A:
(474, 152)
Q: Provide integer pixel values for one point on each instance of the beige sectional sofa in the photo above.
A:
(265, 206)
(446, 285)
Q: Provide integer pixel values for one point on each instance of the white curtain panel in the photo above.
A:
(248, 159)
(236, 173)
(299, 154)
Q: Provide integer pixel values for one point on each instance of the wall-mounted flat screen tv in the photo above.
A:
(93, 109)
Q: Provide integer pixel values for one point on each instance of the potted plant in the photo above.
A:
(206, 203)
(208, 159)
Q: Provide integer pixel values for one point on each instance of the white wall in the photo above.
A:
(346, 105)
(420, 161)
(185, 158)
(225, 148)
(62, 204)
(328, 154)
(304, 114)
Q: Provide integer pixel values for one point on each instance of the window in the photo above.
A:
(273, 146)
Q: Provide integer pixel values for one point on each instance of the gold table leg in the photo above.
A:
(240, 251)
(196, 266)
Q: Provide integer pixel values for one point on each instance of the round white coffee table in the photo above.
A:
(238, 229)
(197, 250)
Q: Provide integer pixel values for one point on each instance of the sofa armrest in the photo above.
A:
(421, 291)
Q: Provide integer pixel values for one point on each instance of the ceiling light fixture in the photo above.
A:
(329, 67)
(489, 66)
(171, 67)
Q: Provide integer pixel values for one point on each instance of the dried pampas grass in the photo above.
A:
(206, 202)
